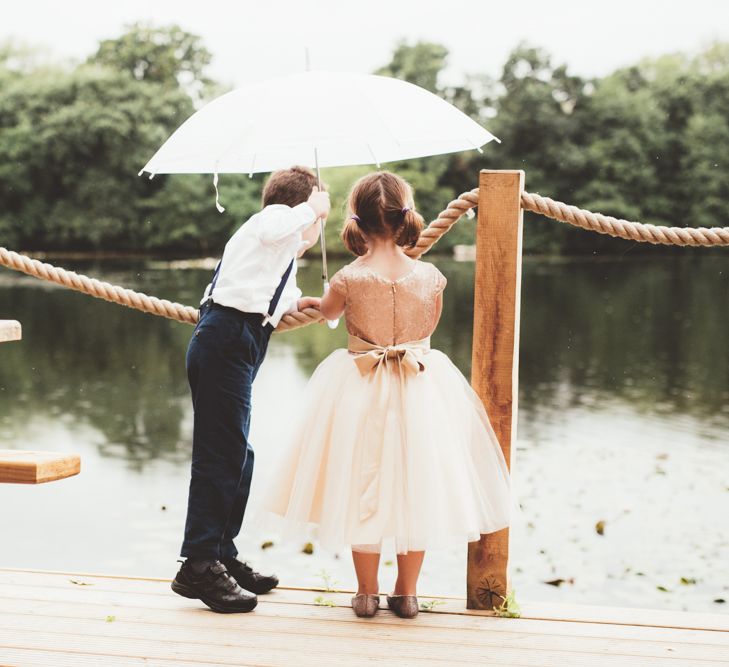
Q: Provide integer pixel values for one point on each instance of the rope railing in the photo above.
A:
(624, 229)
(98, 288)
(596, 222)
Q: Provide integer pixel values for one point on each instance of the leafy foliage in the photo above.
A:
(509, 607)
(648, 142)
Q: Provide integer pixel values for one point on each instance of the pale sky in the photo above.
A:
(254, 40)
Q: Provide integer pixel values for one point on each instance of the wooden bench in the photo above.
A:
(22, 467)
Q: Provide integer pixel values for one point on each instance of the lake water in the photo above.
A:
(623, 418)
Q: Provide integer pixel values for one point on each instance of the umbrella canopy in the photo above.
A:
(324, 119)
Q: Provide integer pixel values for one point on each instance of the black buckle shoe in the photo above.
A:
(248, 579)
(215, 587)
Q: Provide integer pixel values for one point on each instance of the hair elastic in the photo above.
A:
(355, 217)
(405, 209)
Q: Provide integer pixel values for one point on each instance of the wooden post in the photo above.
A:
(495, 361)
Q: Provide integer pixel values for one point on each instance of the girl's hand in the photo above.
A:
(308, 302)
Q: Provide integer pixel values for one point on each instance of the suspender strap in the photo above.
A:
(276, 295)
(279, 290)
(215, 278)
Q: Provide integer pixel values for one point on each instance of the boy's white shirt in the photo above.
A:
(256, 257)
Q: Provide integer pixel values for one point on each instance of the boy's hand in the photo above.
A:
(319, 201)
(308, 302)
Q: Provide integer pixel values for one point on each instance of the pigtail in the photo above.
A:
(353, 238)
(384, 209)
(409, 230)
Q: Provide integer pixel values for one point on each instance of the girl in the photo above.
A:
(395, 443)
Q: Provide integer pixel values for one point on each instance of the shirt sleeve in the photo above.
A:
(277, 224)
(338, 283)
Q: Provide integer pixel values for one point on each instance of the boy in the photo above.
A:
(253, 287)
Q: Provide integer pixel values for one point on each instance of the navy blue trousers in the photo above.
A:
(223, 358)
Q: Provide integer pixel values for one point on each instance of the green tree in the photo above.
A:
(705, 168)
(167, 55)
(420, 63)
(71, 145)
(646, 143)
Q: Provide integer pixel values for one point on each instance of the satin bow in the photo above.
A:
(404, 359)
(370, 357)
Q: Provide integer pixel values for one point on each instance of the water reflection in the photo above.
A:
(652, 333)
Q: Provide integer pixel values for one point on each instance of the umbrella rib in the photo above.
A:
(372, 153)
(475, 145)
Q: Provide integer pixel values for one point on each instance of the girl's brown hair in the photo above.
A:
(381, 206)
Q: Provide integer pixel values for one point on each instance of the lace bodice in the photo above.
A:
(389, 312)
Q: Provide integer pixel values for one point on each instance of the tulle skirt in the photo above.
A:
(389, 455)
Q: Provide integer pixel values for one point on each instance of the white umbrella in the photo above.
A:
(348, 119)
(316, 119)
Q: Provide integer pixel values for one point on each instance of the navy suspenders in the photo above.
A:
(215, 278)
(279, 290)
(276, 295)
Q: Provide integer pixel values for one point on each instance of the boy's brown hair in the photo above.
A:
(290, 187)
(381, 205)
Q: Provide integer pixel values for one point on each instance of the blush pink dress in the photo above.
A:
(394, 443)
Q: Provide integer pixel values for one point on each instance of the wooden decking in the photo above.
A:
(70, 619)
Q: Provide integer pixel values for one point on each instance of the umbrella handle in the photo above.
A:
(332, 324)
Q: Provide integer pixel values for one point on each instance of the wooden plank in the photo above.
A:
(186, 617)
(172, 630)
(285, 648)
(659, 618)
(322, 631)
(149, 591)
(22, 657)
(39, 658)
(495, 358)
(26, 467)
(10, 330)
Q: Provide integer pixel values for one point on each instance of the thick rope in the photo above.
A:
(97, 288)
(445, 220)
(603, 224)
(623, 229)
